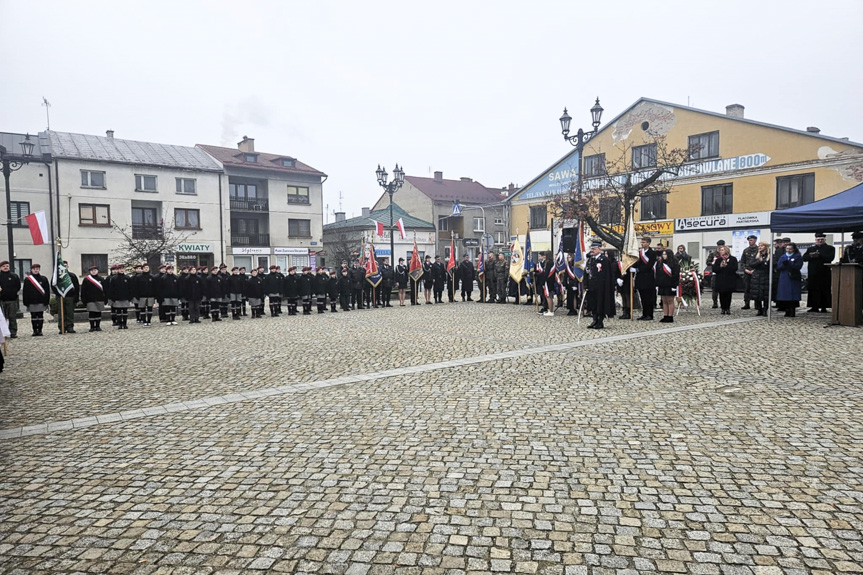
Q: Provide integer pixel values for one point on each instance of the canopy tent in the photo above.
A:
(842, 212)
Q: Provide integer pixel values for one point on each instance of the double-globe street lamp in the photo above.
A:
(10, 164)
(580, 138)
(390, 188)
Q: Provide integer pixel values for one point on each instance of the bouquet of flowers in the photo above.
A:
(691, 285)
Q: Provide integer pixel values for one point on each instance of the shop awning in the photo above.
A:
(842, 212)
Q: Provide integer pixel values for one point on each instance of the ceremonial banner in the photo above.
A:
(373, 274)
(61, 279)
(416, 267)
(516, 261)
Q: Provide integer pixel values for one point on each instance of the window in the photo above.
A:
(243, 191)
(609, 210)
(186, 186)
(653, 207)
(704, 146)
(244, 226)
(98, 260)
(19, 210)
(478, 224)
(594, 165)
(498, 221)
(538, 217)
(300, 228)
(795, 190)
(300, 261)
(187, 219)
(145, 183)
(716, 200)
(443, 224)
(298, 195)
(287, 162)
(446, 253)
(92, 179)
(21, 267)
(250, 158)
(499, 238)
(644, 156)
(94, 215)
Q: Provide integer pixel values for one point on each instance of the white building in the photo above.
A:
(143, 187)
(276, 207)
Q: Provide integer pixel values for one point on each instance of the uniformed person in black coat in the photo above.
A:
(214, 290)
(169, 289)
(819, 283)
(333, 291)
(290, 290)
(439, 275)
(304, 289)
(747, 257)
(243, 278)
(853, 253)
(320, 286)
(385, 290)
(600, 286)
(254, 293)
(161, 274)
(645, 279)
(358, 279)
(120, 292)
(66, 320)
(193, 292)
(184, 304)
(37, 296)
(93, 297)
(10, 289)
(273, 289)
(467, 274)
(402, 281)
(236, 286)
(345, 290)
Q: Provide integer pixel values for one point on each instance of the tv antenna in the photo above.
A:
(340, 200)
(47, 105)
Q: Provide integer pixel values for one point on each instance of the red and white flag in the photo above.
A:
(379, 227)
(38, 227)
(401, 226)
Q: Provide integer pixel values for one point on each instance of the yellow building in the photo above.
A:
(738, 171)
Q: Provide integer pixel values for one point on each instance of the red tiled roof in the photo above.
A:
(234, 157)
(468, 192)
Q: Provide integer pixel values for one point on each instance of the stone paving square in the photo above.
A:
(465, 438)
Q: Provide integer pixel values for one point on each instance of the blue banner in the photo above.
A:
(555, 181)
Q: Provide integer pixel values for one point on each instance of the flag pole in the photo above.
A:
(631, 295)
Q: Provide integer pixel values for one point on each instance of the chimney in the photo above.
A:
(438, 177)
(247, 145)
(813, 130)
(466, 180)
(366, 212)
(340, 216)
(734, 110)
(511, 187)
(109, 133)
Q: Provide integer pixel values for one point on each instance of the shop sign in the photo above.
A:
(291, 251)
(194, 248)
(470, 242)
(665, 228)
(752, 219)
(251, 251)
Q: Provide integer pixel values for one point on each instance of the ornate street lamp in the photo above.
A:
(11, 164)
(581, 137)
(390, 188)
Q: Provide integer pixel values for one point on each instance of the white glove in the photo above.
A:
(619, 282)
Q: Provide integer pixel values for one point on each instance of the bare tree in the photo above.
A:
(344, 246)
(141, 244)
(607, 202)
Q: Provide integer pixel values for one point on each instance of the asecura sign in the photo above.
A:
(751, 219)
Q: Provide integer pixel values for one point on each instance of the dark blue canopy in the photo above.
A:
(842, 212)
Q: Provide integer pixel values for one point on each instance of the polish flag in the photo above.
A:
(379, 227)
(38, 227)
(401, 225)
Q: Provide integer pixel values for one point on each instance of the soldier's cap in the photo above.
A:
(307, 269)
(856, 235)
(292, 268)
(596, 244)
(3, 263)
(786, 240)
(34, 266)
(466, 256)
(221, 266)
(235, 268)
(272, 267)
(167, 267)
(163, 267)
(817, 235)
(138, 266)
(754, 237)
(437, 257)
(88, 269)
(203, 268)
(344, 271)
(184, 268)
(720, 242)
(401, 259)
(242, 268)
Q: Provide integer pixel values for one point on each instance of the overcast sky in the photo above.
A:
(467, 88)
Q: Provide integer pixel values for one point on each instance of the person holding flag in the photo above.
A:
(480, 273)
(373, 276)
(67, 288)
(451, 266)
(37, 297)
(415, 272)
(530, 287)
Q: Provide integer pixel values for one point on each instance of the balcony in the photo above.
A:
(145, 232)
(252, 205)
(250, 240)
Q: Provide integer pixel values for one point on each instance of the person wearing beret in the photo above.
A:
(159, 276)
(120, 292)
(819, 255)
(169, 289)
(253, 291)
(236, 283)
(37, 295)
(93, 297)
(320, 286)
(333, 291)
(273, 288)
(853, 254)
(600, 286)
(243, 279)
(193, 292)
(745, 263)
(304, 289)
(645, 280)
(107, 285)
(184, 303)
(214, 289)
(345, 289)
(289, 286)
(10, 288)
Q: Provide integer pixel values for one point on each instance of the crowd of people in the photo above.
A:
(215, 292)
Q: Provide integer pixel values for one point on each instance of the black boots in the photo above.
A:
(667, 319)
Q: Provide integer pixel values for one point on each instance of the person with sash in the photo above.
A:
(93, 296)
(401, 281)
(645, 280)
(600, 286)
(667, 278)
(37, 296)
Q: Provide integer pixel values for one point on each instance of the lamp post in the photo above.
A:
(581, 137)
(390, 188)
(12, 164)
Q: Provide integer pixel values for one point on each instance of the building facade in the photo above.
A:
(482, 211)
(275, 206)
(737, 172)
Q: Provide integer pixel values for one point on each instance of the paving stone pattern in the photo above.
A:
(508, 443)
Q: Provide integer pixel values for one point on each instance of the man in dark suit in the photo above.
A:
(645, 280)
(467, 276)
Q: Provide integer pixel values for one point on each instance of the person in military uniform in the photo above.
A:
(645, 280)
(819, 255)
(273, 288)
(184, 304)
(224, 301)
(107, 285)
(37, 295)
(501, 277)
(169, 290)
(10, 287)
(358, 279)
(193, 292)
(290, 290)
(136, 272)
(120, 292)
(490, 286)
(853, 254)
(66, 320)
(145, 292)
(93, 297)
(542, 274)
(214, 290)
(333, 291)
(600, 286)
(428, 279)
(243, 279)
(159, 277)
(235, 292)
(304, 289)
(745, 261)
(439, 274)
(467, 274)
(402, 281)
(253, 291)
(345, 290)
(204, 274)
(321, 285)
(387, 279)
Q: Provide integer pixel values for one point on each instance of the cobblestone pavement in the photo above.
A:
(436, 439)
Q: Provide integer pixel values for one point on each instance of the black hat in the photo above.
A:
(720, 242)
(3, 263)
(401, 259)
(786, 240)
(751, 237)
(90, 268)
(466, 256)
(437, 257)
(820, 235)
(596, 244)
(856, 235)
